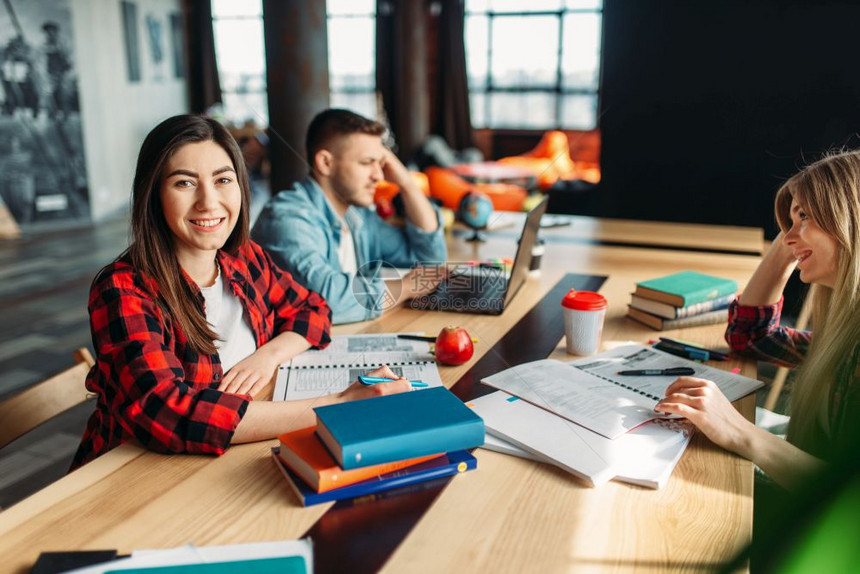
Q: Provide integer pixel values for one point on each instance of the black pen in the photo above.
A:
(427, 338)
(673, 372)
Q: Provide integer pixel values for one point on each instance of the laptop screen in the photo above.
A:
(520, 270)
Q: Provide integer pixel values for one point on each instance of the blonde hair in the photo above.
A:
(829, 192)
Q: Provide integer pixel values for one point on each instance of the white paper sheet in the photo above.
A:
(191, 554)
(644, 456)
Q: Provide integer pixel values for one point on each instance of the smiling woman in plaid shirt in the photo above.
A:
(818, 211)
(194, 317)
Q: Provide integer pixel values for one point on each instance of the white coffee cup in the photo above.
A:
(584, 312)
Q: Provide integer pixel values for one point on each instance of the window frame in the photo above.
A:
(263, 90)
(353, 90)
(559, 90)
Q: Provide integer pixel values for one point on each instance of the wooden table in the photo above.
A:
(632, 233)
(510, 515)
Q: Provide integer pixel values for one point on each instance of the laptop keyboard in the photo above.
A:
(469, 289)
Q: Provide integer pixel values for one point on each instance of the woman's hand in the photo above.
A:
(358, 390)
(251, 374)
(782, 251)
(703, 404)
(767, 283)
(254, 372)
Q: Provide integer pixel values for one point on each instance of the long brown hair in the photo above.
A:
(829, 192)
(152, 243)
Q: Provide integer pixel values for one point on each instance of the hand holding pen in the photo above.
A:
(380, 381)
(368, 380)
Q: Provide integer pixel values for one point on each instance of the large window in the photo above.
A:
(352, 55)
(241, 57)
(533, 64)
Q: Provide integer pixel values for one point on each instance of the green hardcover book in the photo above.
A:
(686, 288)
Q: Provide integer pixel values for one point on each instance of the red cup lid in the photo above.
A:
(584, 301)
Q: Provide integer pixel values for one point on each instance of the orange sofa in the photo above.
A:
(450, 189)
(550, 161)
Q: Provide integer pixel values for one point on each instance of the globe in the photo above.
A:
(475, 210)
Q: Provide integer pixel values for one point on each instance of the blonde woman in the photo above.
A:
(818, 211)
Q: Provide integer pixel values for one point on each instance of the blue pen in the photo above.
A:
(368, 380)
(713, 355)
(686, 352)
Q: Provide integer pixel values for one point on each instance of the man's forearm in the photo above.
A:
(419, 211)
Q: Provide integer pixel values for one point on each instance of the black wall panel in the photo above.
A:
(707, 106)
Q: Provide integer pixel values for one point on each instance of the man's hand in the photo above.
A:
(415, 203)
(421, 281)
(394, 171)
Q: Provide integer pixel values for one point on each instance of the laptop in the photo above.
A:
(484, 290)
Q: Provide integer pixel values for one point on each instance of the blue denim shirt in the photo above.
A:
(301, 231)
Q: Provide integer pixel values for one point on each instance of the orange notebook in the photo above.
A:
(308, 457)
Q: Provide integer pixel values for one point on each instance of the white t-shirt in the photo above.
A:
(227, 316)
(346, 250)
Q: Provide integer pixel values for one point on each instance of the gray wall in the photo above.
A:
(116, 113)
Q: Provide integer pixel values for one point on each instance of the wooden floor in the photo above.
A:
(44, 282)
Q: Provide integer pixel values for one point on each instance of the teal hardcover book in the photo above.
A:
(279, 565)
(686, 288)
(396, 427)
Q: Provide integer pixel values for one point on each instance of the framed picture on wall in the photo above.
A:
(177, 44)
(44, 177)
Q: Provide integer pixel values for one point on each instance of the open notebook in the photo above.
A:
(323, 372)
(590, 393)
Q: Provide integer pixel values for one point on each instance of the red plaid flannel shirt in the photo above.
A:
(755, 330)
(151, 386)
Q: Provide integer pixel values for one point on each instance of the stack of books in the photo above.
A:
(685, 299)
(370, 446)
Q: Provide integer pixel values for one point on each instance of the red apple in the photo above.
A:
(384, 208)
(453, 346)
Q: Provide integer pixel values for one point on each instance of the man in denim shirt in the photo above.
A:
(325, 232)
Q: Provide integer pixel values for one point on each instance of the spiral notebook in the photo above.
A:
(323, 372)
(590, 393)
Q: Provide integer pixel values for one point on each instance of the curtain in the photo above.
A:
(204, 86)
(386, 75)
(453, 119)
(401, 71)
